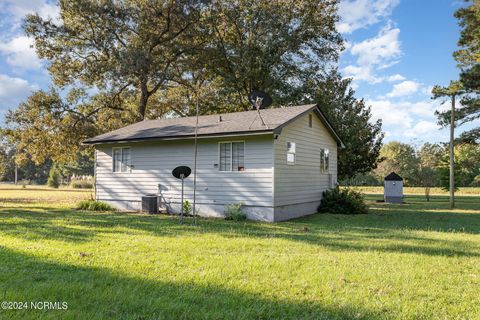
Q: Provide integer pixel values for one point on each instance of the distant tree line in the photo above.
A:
(29, 172)
(425, 166)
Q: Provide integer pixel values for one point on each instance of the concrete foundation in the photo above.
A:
(291, 211)
(267, 214)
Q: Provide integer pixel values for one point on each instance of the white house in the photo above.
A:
(278, 170)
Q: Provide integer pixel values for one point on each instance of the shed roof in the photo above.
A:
(236, 123)
(393, 177)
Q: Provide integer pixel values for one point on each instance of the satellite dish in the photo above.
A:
(181, 172)
(259, 99)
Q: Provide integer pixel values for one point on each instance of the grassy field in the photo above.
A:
(412, 261)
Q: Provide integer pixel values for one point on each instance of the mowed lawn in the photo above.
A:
(413, 261)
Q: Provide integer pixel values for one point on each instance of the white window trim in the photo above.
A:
(294, 154)
(129, 170)
(231, 156)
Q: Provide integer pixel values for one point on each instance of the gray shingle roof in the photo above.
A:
(241, 123)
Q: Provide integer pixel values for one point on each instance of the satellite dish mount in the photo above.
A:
(260, 100)
(181, 173)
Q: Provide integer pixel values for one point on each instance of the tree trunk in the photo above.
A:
(142, 105)
(452, 164)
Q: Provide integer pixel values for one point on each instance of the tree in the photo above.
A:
(117, 45)
(54, 177)
(454, 90)
(45, 127)
(400, 158)
(352, 119)
(467, 166)
(82, 166)
(427, 178)
(271, 45)
(468, 58)
(3, 164)
(445, 178)
(430, 156)
(8, 169)
(467, 159)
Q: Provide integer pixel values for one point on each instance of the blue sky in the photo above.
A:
(396, 50)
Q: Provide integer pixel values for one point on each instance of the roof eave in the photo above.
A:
(180, 137)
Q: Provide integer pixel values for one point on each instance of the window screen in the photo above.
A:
(225, 156)
(232, 156)
(117, 155)
(324, 160)
(125, 159)
(237, 156)
(291, 150)
(121, 160)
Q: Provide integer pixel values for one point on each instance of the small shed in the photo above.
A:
(393, 188)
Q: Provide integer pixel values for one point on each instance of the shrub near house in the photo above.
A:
(342, 201)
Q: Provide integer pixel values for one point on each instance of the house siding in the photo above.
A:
(298, 188)
(153, 163)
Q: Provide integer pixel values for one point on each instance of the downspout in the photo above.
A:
(95, 175)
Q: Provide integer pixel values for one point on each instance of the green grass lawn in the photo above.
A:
(413, 261)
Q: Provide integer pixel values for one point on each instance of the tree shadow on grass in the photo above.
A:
(96, 293)
(385, 232)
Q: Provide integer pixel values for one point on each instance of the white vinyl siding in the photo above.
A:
(154, 162)
(121, 160)
(303, 182)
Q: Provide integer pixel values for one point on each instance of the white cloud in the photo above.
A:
(361, 73)
(391, 114)
(396, 111)
(395, 77)
(404, 88)
(357, 14)
(13, 90)
(19, 8)
(20, 53)
(422, 129)
(406, 119)
(380, 49)
(374, 54)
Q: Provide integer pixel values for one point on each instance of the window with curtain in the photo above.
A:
(324, 160)
(232, 156)
(121, 160)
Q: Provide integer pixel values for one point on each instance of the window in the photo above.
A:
(121, 160)
(291, 146)
(232, 156)
(324, 160)
(310, 120)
